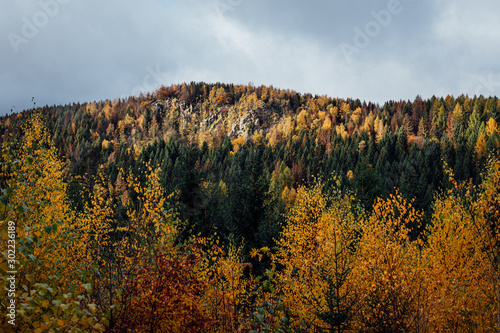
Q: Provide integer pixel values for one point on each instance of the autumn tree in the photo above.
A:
(485, 212)
(114, 250)
(317, 252)
(226, 299)
(52, 292)
(458, 279)
(164, 295)
(389, 271)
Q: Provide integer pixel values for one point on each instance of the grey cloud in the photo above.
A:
(91, 50)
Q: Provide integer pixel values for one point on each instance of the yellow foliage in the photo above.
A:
(257, 138)
(218, 96)
(327, 124)
(107, 111)
(285, 126)
(455, 269)
(47, 264)
(273, 136)
(316, 255)
(389, 271)
(204, 136)
(92, 108)
(302, 121)
(105, 144)
(288, 196)
(237, 143)
(458, 114)
(345, 110)
(226, 292)
(480, 145)
(368, 123)
(378, 126)
(356, 116)
(491, 126)
(334, 262)
(114, 251)
(38, 186)
(334, 111)
(340, 129)
(321, 115)
(462, 256)
(94, 136)
(251, 102)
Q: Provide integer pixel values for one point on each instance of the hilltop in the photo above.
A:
(262, 142)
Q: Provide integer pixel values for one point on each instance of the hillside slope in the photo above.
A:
(234, 153)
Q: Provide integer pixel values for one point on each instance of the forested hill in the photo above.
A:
(233, 155)
(222, 208)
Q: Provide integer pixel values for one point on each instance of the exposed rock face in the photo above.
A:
(208, 121)
(157, 107)
(244, 125)
(239, 122)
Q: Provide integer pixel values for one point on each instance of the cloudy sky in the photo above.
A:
(63, 51)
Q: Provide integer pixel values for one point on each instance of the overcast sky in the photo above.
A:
(63, 51)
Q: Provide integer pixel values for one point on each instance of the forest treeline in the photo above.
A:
(257, 141)
(213, 207)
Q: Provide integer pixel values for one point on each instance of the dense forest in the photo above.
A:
(234, 208)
